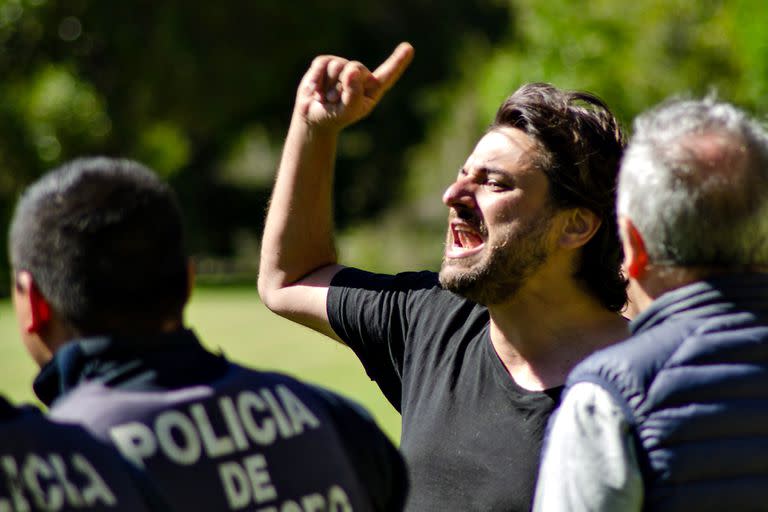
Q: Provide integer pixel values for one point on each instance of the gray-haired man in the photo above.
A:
(674, 418)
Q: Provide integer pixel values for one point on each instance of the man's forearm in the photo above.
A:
(298, 256)
(298, 233)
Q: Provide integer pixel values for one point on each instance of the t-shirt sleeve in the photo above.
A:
(370, 313)
(589, 461)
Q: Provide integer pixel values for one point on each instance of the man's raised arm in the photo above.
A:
(298, 255)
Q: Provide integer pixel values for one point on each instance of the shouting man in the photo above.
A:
(474, 358)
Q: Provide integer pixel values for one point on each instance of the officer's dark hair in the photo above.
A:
(580, 148)
(104, 243)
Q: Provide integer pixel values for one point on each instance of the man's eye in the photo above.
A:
(496, 185)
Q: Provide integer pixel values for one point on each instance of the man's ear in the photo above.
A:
(635, 254)
(38, 309)
(580, 226)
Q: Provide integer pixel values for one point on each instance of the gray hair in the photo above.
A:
(694, 182)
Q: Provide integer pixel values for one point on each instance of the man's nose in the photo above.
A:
(460, 193)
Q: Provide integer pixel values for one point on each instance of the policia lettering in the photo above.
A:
(51, 482)
(251, 418)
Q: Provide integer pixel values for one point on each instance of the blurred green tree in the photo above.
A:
(202, 93)
(632, 54)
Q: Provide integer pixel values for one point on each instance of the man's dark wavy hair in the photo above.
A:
(104, 243)
(581, 145)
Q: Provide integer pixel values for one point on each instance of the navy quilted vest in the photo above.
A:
(693, 380)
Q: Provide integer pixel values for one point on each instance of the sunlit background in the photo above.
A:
(202, 93)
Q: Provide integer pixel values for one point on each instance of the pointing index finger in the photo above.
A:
(390, 70)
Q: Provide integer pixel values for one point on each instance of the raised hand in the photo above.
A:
(336, 92)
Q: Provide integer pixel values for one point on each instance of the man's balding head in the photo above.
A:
(694, 183)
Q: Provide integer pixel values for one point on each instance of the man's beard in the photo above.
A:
(505, 267)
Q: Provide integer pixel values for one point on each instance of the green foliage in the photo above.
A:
(196, 91)
(635, 54)
(632, 54)
(166, 145)
(56, 105)
(204, 94)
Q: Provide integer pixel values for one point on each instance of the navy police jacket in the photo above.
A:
(52, 467)
(217, 436)
(693, 382)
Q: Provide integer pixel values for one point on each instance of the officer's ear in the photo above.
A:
(191, 274)
(33, 310)
(580, 225)
(635, 254)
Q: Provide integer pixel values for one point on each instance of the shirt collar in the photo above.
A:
(7, 410)
(161, 361)
(714, 296)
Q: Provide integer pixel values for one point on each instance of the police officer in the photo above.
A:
(102, 279)
(45, 466)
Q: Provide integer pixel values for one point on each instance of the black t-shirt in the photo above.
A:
(470, 435)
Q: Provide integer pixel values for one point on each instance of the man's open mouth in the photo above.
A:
(463, 241)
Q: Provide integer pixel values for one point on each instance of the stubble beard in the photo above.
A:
(504, 268)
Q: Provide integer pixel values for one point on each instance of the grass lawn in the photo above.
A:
(234, 321)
